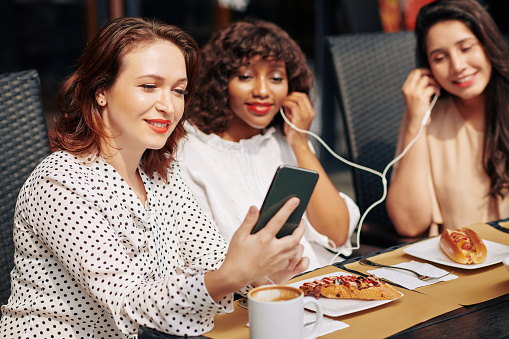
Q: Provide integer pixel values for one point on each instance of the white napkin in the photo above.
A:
(408, 279)
(328, 325)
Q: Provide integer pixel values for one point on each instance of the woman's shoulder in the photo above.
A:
(175, 187)
(61, 173)
(62, 166)
(192, 131)
(60, 160)
(197, 140)
(195, 137)
(175, 181)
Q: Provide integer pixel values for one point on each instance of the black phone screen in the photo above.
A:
(289, 181)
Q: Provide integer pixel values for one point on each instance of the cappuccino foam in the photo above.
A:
(275, 293)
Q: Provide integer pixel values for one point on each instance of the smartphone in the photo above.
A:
(289, 181)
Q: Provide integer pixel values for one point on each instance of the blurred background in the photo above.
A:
(49, 35)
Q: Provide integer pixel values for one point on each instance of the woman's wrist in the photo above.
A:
(413, 125)
(300, 146)
(223, 281)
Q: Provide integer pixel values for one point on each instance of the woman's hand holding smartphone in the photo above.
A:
(289, 181)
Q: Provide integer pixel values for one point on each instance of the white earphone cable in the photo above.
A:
(381, 175)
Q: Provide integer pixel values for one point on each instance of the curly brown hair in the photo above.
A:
(477, 18)
(229, 49)
(80, 128)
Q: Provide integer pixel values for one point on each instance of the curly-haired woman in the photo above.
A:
(251, 69)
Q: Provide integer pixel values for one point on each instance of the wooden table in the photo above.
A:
(474, 305)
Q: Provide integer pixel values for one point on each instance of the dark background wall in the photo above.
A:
(49, 35)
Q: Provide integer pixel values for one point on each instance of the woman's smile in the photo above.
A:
(466, 81)
(259, 108)
(159, 125)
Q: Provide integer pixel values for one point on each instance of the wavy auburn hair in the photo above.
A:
(478, 20)
(229, 49)
(80, 127)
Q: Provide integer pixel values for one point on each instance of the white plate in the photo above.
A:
(430, 250)
(338, 307)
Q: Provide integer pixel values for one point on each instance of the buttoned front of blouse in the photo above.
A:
(92, 261)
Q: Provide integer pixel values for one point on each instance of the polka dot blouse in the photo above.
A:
(92, 262)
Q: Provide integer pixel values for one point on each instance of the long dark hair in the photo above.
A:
(80, 128)
(230, 48)
(496, 137)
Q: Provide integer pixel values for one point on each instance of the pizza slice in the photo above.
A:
(351, 287)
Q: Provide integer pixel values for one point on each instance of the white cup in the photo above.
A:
(277, 312)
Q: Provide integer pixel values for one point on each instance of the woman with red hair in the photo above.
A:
(108, 237)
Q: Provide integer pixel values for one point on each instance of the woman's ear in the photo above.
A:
(100, 97)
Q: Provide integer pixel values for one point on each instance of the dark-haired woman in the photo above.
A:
(237, 139)
(457, 173)
(108, 237)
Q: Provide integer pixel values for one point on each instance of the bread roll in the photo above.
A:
(463, 246)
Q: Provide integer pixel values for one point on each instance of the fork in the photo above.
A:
(423, 277)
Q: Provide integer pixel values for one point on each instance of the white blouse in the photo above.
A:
(92, 261)
(228, 177)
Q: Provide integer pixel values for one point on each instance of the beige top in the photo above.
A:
(459, 185)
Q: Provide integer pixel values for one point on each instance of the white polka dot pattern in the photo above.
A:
(92, 262)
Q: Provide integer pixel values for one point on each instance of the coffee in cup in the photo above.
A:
(277, 311)
(275, 294)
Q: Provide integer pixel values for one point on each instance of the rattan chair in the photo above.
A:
(370, 69)
(24, 143)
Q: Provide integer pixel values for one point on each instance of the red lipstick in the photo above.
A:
(159, 125)
(466, 81)
(259, 108)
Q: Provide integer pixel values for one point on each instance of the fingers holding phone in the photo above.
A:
(274, 226)
(296, 265)
(288, 182)
(251, 258)
(268, 241)
(254, 256)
